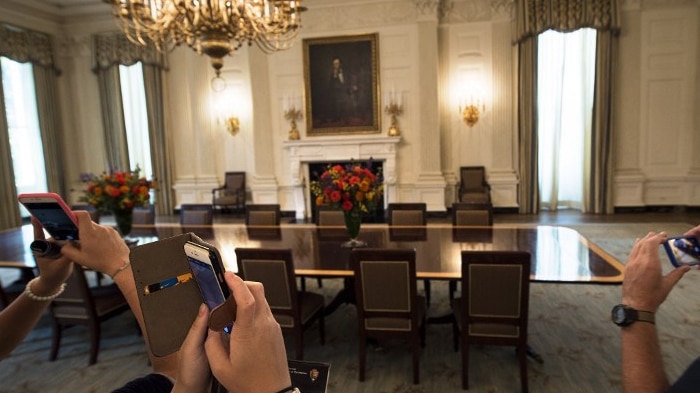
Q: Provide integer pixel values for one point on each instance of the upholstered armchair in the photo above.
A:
(473, 187)
(232, 194)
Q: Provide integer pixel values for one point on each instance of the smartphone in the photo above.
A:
(205, 267)
(683, 250)
(53, 213)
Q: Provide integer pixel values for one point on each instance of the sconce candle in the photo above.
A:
(394, 107)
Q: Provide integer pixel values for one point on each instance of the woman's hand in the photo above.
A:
(52, 271)
(100, 247)
(254, 359)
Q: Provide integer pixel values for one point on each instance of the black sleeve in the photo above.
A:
(689, 381)
(151, 383)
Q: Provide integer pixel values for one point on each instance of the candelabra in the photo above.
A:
(394, 109)
(293, 114)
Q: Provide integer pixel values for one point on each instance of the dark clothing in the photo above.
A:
(151, 383)
(689, 382)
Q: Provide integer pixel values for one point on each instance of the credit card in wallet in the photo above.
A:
(167, 283)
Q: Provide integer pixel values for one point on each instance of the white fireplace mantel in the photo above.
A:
(339, 148)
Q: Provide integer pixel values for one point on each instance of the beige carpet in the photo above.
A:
(569, 327)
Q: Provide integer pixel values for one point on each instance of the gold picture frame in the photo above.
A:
(341, 84)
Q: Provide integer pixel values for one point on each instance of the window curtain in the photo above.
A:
(532, 18)
(36, 48)
(110, 51)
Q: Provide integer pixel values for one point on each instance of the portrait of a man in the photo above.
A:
(341, 84)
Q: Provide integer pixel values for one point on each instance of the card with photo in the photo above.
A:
(309, 377)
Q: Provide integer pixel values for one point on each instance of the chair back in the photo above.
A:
(330, 224)
(473, 178)
(76, 301)
(262, 221)
(197, 218)
(495, 296)
(274, 268)
(472, 214)
(407, 221)
(234, 182)
(144, 221)
(232, 194)
(385, 289)
(80, 304)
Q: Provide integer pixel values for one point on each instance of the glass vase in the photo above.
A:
(124, 219)
(353, 221)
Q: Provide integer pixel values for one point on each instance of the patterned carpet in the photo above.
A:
(569, 327)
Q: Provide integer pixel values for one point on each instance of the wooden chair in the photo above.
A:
(197, 218)
(294, 310)
(473, 187)
(232, 194)
(493, 309)
(471, 222)
(81, 305)
(407, 223)
(263, 221)
(387, 303)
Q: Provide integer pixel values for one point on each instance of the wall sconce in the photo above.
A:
(394, 107)
(233, 125)
(292, 114)
(471, 110)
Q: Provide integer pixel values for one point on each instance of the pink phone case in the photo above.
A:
(49, 195)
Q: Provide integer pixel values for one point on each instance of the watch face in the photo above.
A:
(619, 315)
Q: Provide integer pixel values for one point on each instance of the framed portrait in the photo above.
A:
(341, 77)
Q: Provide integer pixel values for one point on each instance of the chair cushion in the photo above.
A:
(309, 304)
(484, 329)
(396, 324)
(233, 199)
(475, 197)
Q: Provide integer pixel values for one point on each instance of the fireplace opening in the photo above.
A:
(315, 171)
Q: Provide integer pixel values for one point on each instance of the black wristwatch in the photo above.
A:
(623, 315)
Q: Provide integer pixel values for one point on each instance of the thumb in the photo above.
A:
(671, 279)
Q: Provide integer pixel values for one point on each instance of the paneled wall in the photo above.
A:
(429, 50)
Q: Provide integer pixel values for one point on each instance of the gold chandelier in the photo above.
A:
(211, 27)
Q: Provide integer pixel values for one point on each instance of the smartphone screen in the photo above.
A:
(683, 250)
(52, 213)
(205, 275)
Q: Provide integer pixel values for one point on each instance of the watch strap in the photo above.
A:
(646, 316)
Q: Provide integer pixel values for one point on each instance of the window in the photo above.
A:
(566, 73)
(136, 118)
(23, 127)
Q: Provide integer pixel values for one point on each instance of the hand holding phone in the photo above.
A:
(683, 250)
(53, 214)
(205, 268)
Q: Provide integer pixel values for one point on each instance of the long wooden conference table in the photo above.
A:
(559, 254)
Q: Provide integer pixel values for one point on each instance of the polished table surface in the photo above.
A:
(559, 254)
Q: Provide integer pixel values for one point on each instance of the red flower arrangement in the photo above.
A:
(117, 191)
(353, 188)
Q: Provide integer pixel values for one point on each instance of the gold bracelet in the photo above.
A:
(123, 267)
(33, 296)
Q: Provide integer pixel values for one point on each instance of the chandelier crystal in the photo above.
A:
(211, 27)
